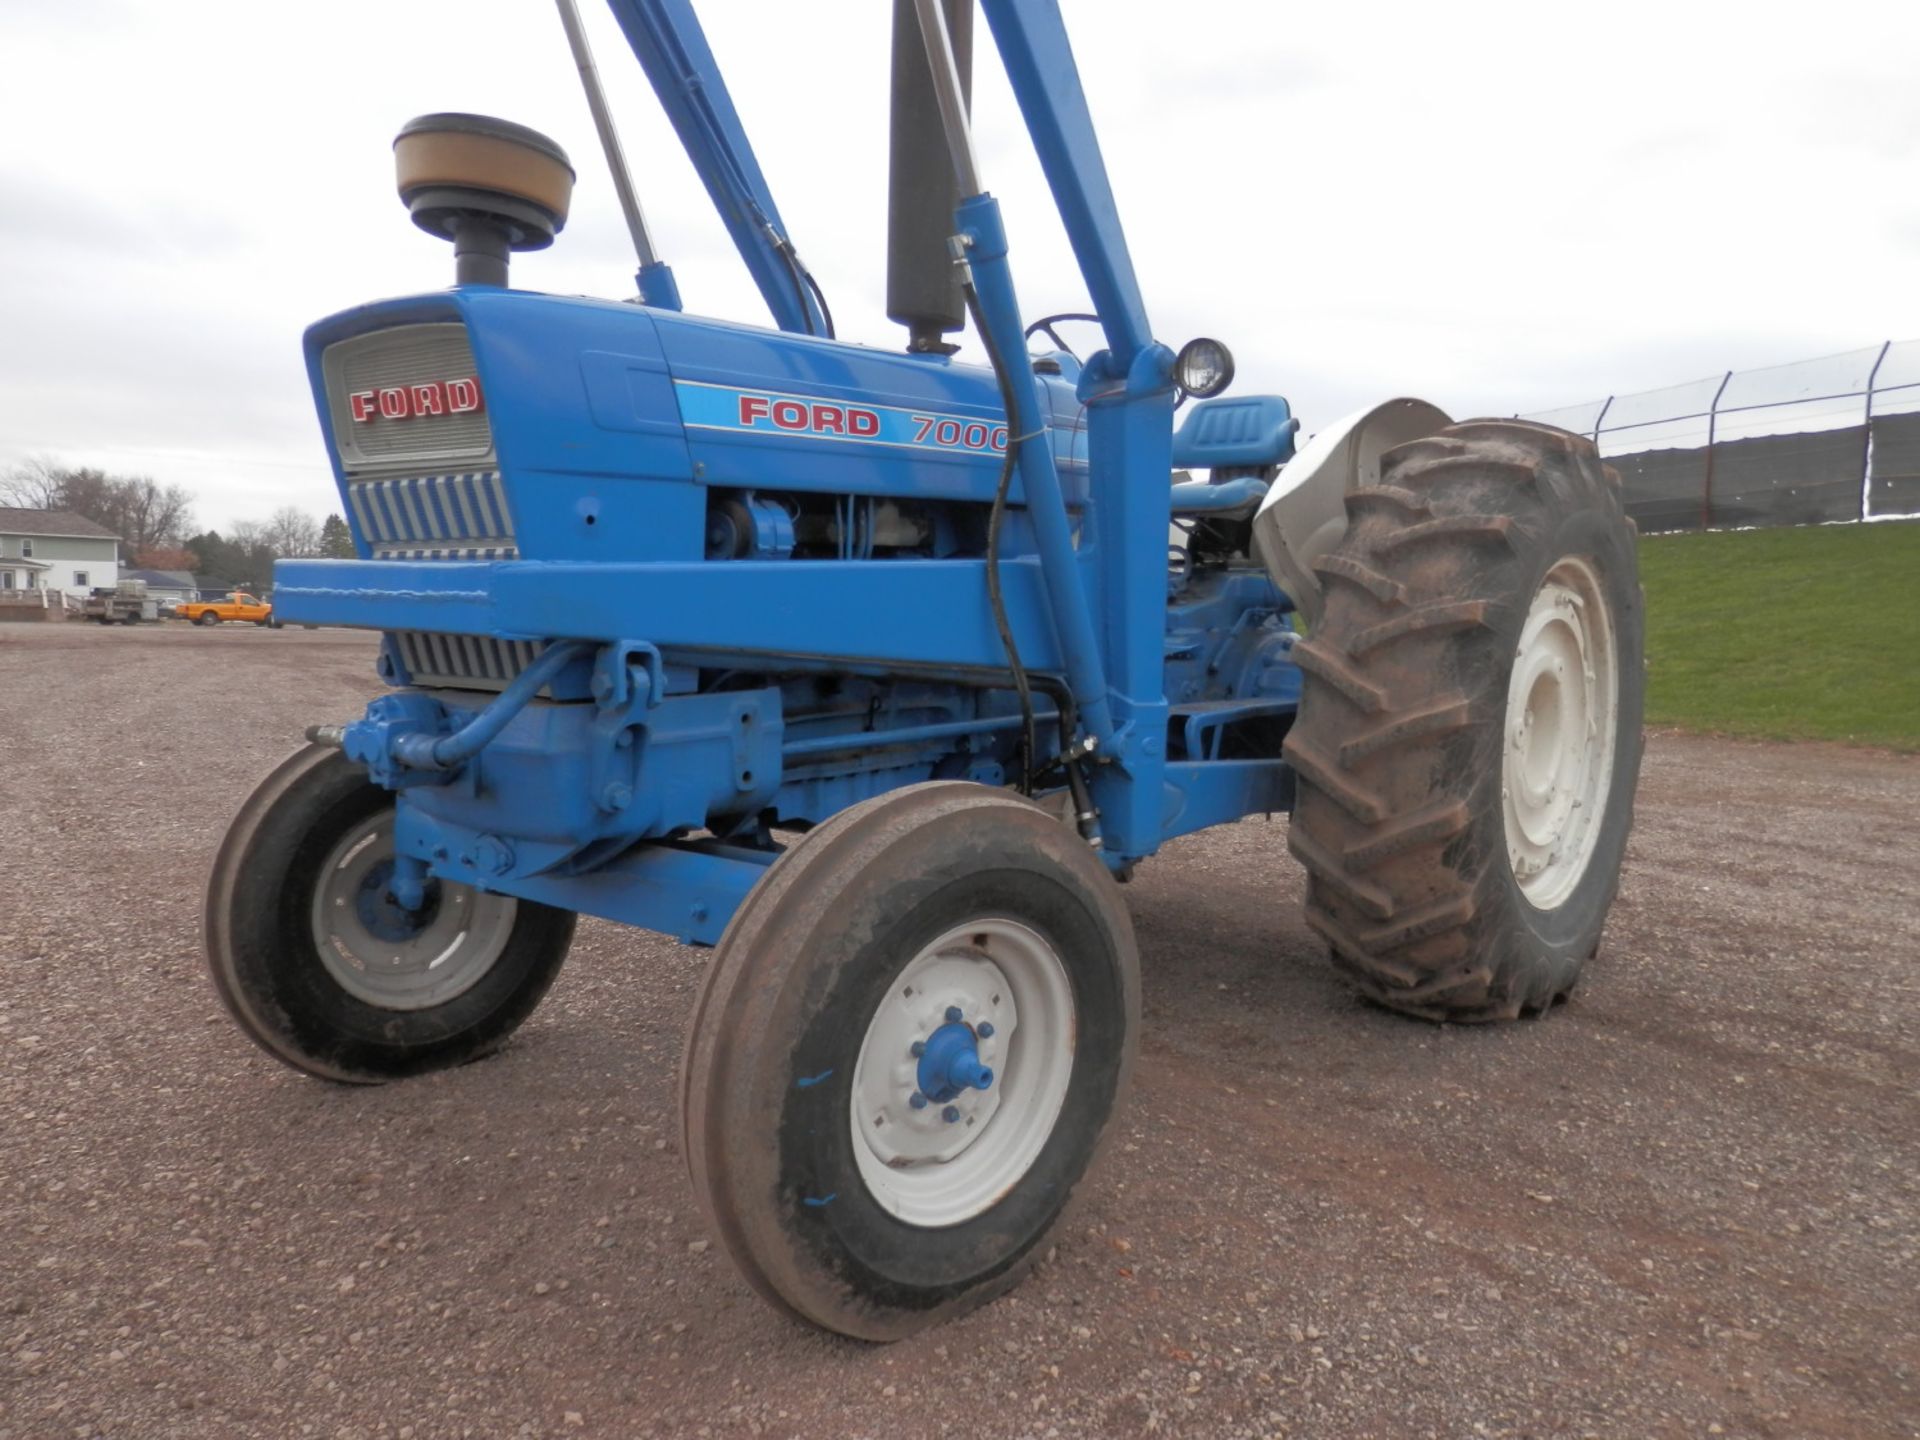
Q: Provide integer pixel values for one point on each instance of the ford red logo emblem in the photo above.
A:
(413, 402)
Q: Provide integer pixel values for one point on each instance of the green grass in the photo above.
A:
(1787, 634)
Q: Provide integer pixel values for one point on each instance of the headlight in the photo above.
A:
(1203, 368)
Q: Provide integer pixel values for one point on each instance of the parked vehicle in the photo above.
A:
(237, 606)
(124, 604)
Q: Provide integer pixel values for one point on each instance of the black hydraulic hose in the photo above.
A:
(820, 295)
(1086, 818)
(797, 275)
(1029, 757)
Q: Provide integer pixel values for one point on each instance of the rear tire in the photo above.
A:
(911, 918)
(206, 617)
(387, 994)
(1468, 741)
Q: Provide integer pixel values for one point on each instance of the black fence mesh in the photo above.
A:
(1826, 440)
(1664, 489)
(1894, 485)
(1789, 479)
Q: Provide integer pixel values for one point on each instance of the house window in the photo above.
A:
(6, 579)
(26, 549)
(79, 577)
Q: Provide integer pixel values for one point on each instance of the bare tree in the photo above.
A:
(248, 534)
(93, 495)
(135, 507)
(34, 484)
(293, 533)
(152, 514)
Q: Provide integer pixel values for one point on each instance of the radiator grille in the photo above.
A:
(403, 356)
(465, 662)
(435, 517)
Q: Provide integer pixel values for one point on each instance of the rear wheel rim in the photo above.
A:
(386, 958)
(951, 1159)
(1560, 733)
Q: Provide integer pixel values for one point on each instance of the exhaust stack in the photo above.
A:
(923, 291)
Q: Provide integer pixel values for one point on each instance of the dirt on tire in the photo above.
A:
(1399, 741)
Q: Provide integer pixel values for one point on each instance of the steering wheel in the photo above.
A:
(1047, 322)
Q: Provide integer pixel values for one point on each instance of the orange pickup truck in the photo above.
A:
(237, 606)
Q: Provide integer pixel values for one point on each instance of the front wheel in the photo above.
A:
(909, 1045)
(325, 970)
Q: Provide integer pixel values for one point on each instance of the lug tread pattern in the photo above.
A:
(1370, 899)
(1443, 717)
(1422, 620)
(1330, 666)
(1452, 527)
(1344, 567)
(1441, 467)
(1397, 747)
(1395, 495)
(1330, 781)
(1423, 827)
(1348, 947)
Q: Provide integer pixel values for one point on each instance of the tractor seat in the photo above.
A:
(1249, 430)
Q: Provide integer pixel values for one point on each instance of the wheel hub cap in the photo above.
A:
(386, 955)
(1559, 734)
(950, 1060)
(382, 914)
(963, 1072)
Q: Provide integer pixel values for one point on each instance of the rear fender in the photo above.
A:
(1305, 515)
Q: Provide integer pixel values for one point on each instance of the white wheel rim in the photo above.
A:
(1557, 763)
(465, 931)
(921, 1166)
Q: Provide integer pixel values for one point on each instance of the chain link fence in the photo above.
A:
(1810, 443)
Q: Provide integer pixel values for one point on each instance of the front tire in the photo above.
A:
(326, 973)
(946, 916)
(1468, 741)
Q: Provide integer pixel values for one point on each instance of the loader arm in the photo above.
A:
(672, 48)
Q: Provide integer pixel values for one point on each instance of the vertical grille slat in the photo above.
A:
(435, 517)
(410, 493)
(358, 502)
(499, 498)
(472, 662)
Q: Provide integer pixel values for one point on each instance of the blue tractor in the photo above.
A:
(878, 672)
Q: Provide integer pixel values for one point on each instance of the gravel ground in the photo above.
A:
(1685, 1204)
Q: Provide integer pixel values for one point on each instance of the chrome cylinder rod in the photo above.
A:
(946, 89)
(609, 139)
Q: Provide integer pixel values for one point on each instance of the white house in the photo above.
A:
(55, 550)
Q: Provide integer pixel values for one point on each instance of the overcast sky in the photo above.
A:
(1501, 207)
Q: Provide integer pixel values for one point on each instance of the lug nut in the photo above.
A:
(917, 1100)
(953, 1014)
(950, 1114)
(917, 1049)
(984, 1030)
